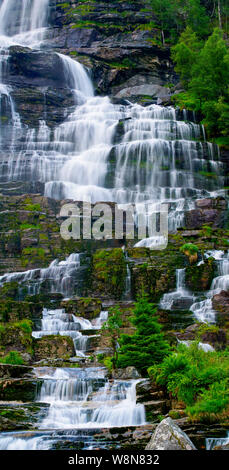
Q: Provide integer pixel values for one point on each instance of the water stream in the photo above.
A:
(100, 152)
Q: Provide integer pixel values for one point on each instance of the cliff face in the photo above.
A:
(115, 42)
(118, 42)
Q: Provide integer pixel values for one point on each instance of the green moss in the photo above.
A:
(109, 272)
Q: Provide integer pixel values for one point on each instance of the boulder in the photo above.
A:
(125, 374)
(168, 436)
(53, 347)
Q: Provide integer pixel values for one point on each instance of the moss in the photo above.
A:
(16, 336)
(199, 278)
(109, 272)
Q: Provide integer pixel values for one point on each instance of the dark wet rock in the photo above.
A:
(14, 371)
(87, 307)
(220, 303)
(207, 212)
(24, 390)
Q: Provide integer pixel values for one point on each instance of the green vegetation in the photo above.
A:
(111, 329)
(198, 379)
(204, 71)
(13, 357)
(189, 248)
(147, 345)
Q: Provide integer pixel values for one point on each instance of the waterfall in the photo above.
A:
(23, 21)
(58, 322)
(85, 398)
(103, 151)
(203, 310)
(180, 297)
(61, 276)
(215, 442)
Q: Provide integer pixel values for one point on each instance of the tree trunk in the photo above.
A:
(219, 14)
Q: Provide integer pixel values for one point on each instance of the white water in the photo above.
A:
(23, 22)
(61, 276)
(85, 398)
(215, 442)
(58, 322)
(204, 346)
(203, 310)
(168, 300)
(155, 158)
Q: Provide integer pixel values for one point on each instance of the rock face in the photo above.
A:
(168, 436)
(53, 347)
(207, 211)
(220, 303)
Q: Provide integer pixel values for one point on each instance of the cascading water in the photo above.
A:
(203, 310)
(106, 152)
(180, 296)
(64, 277)
(79, 399)
(58, 322)
(101, 152)
(85, 398)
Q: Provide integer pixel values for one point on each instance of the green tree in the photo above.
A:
(185, 54)
(111, 329)
(147, 345)
(210, 72)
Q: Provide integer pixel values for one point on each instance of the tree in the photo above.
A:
(147, 345)
(185, 54)
(210, 71)
(111, 329)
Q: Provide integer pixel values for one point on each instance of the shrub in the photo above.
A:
(13, 357)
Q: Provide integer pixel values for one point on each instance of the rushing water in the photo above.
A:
(79, 399)
(61, 276)
(104, 152)
(203, 310)
(101, 152)
(58, 322)
(181, 295)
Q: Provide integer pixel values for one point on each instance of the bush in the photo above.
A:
(193, 376)
(13, 357)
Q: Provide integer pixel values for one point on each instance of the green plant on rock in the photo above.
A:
(191, 251)
(13, 357)
(193, 376)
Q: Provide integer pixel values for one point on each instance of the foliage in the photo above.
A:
(147, 345)
(204, 71)
(111, 329)
(193, 376)
(189, 248)
(13, 357)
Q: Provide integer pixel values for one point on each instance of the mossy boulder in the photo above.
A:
(86, 307)
(24, 390)
(199, 278)
(11, 311)
(21, 416)
(53, 347)
(108, 273)
(16, 336)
